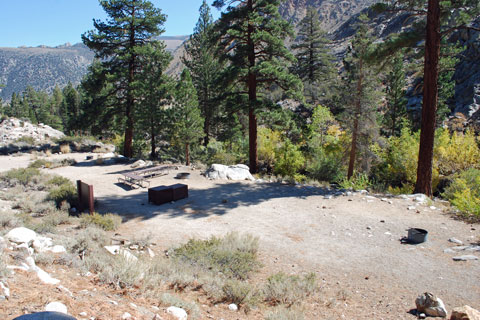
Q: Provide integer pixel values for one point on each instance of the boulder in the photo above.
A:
(21, 235)
(466, 257)
(138, 164)
(178, 313)
(465, 313)
(236, 172)
(430, 305)
(56, 307)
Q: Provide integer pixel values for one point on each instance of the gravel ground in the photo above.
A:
(351, 241)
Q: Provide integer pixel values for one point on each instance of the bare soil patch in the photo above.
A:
(351, 242)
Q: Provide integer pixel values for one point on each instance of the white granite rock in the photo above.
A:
(56, 307)
(178, 313)
(21, 235)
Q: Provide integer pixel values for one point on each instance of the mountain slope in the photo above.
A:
(45, 67)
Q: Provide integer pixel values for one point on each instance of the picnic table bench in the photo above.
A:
(140, 177)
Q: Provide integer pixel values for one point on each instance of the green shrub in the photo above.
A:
(455, 152)
(289, 160)
(58, 181)
(268, 142)
(289, 289)
(87, 240)
(464, 193)
(107, 222)
(233, 256)
(324, 167)
(40, 163)
(241, 293)
(23, 176)
(26, 139)
(64, 192)
(9, 220)
(358, 181)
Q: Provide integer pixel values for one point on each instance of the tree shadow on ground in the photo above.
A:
(203, 203)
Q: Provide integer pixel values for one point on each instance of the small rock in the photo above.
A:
(113, 249)
(433, 208)
(465, 258)
(21, 235)
(384, 199)
(126, 316)
(56, 307)
(157, 317)
(82, 314)
(151, 253)
(232, 307)
(178, 313)
(411, 208)
(455, 240)
(369, 228)
(58, 249)
(129, 256)
(422, 316)
(465, 313)
(430, 305)
(5, 290)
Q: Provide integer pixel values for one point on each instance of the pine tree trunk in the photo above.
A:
(187, 154)
(358, 106)
(430, 98)
(252, 98)
(128, 146)
(353, 149)
(152, 142)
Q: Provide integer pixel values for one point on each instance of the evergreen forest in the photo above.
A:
(259, 90)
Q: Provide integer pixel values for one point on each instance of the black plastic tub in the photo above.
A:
(183, 175)
(417, 235)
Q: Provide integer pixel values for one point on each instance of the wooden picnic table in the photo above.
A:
(140, 177)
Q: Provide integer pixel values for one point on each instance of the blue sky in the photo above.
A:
(55, 22)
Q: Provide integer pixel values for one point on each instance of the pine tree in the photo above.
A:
(252, 35)
(188, 120)
(361, 100)
(156, 89)
(442, 18)
(131, 24)
(396, 83)
(205, 69)
(314, 62)
(70, 109)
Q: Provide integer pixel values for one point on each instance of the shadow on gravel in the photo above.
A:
(203, 203)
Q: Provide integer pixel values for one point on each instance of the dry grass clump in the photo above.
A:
(282, 313)
(65, 148)
(4, 271)
(9, 220)
(107, 222)
(289, 289)
(52, 164)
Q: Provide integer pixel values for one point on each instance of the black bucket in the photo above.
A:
(416, 235)
(183, 175)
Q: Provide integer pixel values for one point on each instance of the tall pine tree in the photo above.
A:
(205, 69)
(396, 83)
(156, 89)
(361, 95)
(252, 35)
(187, 118)
(442, 18)
(314, 62)
(131, 24)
